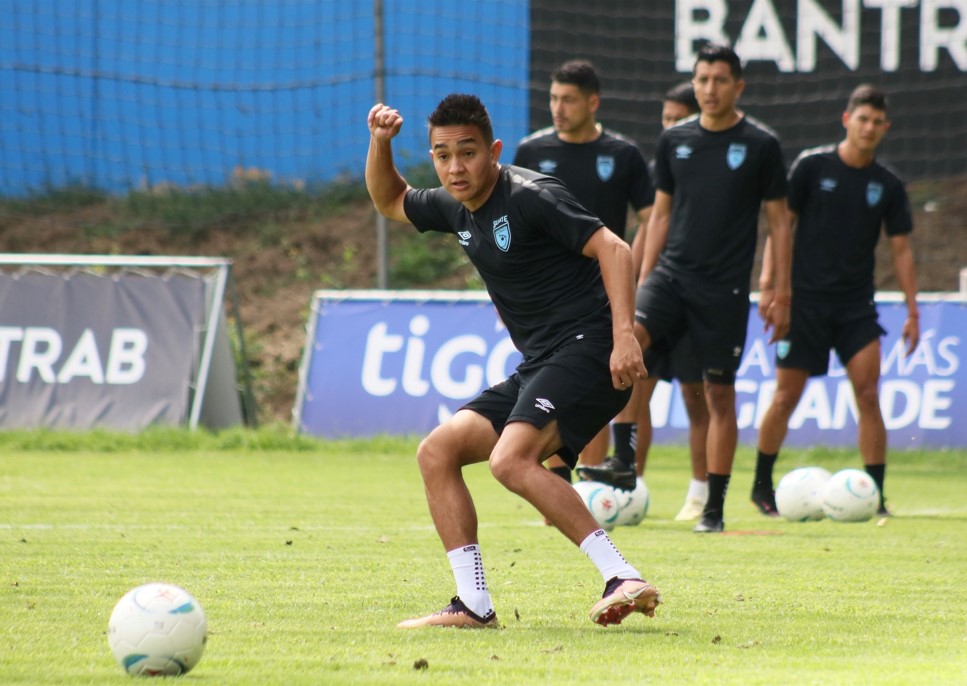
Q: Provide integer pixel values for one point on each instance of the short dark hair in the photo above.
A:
(462, 109)
(711, 52)
(580, 73)
(683, 94)
(867, 94)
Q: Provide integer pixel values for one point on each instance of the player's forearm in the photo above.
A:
(780, 236)
(383, 180)
(905, 273)
(638, 244)
(616, 273)
(767, 273)
(656, 237)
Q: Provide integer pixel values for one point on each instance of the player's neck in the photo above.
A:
(585, 134)
(721, 122)
(853, 156)
(481, 199)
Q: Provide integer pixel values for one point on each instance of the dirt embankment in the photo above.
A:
(278, 264)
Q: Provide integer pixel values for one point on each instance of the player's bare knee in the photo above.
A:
(784, 403)
(431, 455)
(867, 398)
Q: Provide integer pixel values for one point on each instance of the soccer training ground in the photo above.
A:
(306, 554)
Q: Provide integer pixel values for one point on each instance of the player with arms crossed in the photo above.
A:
(607, 173)
(841, 199)
(712, 173)
(562, 284)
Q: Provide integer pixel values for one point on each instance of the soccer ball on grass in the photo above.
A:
(601, 501)
(799, 495)
(850, 495)
(632, 505)
(157, 630)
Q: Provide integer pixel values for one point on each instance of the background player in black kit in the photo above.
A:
(680, 363)
(562, 283)
(607, 173)
(840, 198)
(712, 174)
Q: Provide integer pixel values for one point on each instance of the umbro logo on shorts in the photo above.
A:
(544, 404)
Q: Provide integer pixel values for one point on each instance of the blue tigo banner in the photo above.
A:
(388, 362)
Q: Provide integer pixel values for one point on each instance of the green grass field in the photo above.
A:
(306, 554)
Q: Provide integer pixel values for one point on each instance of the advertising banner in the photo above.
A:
(398, 363)
(82, 350)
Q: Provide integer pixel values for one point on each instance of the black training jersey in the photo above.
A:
(718, 180)
(842, 211)
(526, 242)
(606, 175)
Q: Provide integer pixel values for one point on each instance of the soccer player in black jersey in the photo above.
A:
(840, 199)
(607, 173)
(680, 363)
(562, 283)
(712, 174)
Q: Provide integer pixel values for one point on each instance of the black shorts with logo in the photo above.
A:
(817, 328)
(715, 316)
(572, 385)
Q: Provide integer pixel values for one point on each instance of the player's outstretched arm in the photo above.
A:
(907, 278)
(614, 256)
(386, 186)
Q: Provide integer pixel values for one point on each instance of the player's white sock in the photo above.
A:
(698, 489)
(468, 570)
(601, 551)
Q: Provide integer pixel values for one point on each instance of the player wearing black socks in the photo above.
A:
(842, 199)
(712, 175)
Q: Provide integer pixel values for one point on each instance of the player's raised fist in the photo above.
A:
(384, 122)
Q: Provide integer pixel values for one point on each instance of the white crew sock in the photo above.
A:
(698, 489)
(468, 570)
(601, 551)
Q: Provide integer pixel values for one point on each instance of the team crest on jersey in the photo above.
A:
(735, 155)
(827, 184)
(547, 166)
(683, 152)
(782, 349)
(502, 233)
(874, 191)
(605, 167)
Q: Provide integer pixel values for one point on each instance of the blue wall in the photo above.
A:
(122, 94)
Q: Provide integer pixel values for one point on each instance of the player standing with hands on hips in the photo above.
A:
(562, 283)
(841, 198)
(712, 174)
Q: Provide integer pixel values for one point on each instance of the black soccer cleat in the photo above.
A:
(612, 472)
(765, 501)
(709, 524)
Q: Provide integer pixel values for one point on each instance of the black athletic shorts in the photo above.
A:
(815, 329)
(716, 317)
(572, 385)
(681, 363)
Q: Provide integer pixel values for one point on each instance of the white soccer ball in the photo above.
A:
(157, 630)
(601, 501)
(632, 505)
(850, 495)
(799, 495)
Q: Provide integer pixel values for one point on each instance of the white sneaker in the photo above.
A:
(691, 510)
